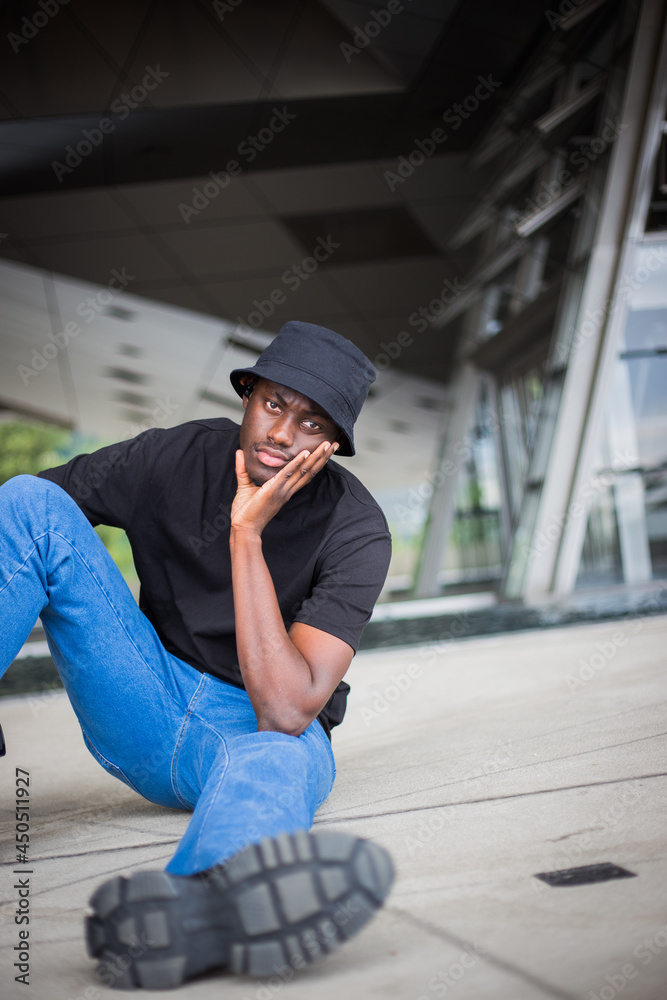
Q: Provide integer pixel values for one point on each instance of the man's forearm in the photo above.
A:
(277, 678)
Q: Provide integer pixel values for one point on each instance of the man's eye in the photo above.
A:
(311, 425)
(271, 404)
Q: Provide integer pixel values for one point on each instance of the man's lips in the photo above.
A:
(273, 459)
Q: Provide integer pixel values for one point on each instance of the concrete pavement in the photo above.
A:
(477, 763)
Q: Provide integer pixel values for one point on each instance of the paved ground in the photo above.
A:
(477, 763)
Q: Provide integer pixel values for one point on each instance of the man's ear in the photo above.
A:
(248, 383)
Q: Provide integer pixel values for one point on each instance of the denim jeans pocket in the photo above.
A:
(110, 768)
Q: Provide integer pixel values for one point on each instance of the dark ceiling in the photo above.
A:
(57, 83)
(115, 115)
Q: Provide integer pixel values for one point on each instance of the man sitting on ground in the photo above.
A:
(260, 562)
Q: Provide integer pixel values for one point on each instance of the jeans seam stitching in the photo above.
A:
(223, 772)
(114, 610)
(181, 738)
(18, 570)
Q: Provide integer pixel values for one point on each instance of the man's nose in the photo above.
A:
(282, 431)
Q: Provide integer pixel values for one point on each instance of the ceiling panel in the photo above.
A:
(160, 203)
(22, 285)
(97, 259)
(315, 189)
(297, 46)
(31, 385)
(440, 219)
(225, 72)
(399, 285)
(65, 56)
(62, 214)
(190, 297)
(313, 296)
(447, 175)
(235, 248)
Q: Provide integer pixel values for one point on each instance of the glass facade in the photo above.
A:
(566, 487)
(628, 518)
(474, 552)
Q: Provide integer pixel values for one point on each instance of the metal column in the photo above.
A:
(600, 319)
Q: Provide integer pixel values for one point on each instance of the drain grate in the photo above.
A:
(586, 874)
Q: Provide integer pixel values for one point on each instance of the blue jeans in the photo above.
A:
(178, 737)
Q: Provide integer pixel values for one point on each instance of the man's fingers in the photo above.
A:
(241, 474)
(306, 465)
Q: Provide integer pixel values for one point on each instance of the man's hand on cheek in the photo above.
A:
(254, 506)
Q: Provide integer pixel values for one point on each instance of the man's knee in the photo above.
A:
(26, 486)
(29, 488)
(34, 502)
(22, 492)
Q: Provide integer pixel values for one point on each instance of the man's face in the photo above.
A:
(278, 424)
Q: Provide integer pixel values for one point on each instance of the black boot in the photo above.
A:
(269, 910)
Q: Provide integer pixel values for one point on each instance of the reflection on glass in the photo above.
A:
(635, 443)
(474, 551)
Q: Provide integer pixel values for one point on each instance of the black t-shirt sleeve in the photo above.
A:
(349, 581)
(106, 484)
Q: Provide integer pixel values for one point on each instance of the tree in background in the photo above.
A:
(28, 448)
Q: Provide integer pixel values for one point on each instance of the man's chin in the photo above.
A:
(259, 474)
(257, 481)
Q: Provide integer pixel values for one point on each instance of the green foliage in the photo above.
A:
(118, 547)
(27, 448)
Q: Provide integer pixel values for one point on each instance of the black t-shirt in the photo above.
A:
(327, 549)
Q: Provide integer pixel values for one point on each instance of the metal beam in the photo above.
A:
(622, 225)
(561, 504)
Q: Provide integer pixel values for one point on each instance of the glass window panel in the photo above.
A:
(642, 419)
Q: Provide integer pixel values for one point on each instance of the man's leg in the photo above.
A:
(281, 898)
(259, 784)
(292, 898)
(129, 695)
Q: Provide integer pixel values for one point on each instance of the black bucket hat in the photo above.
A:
(320, 364)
